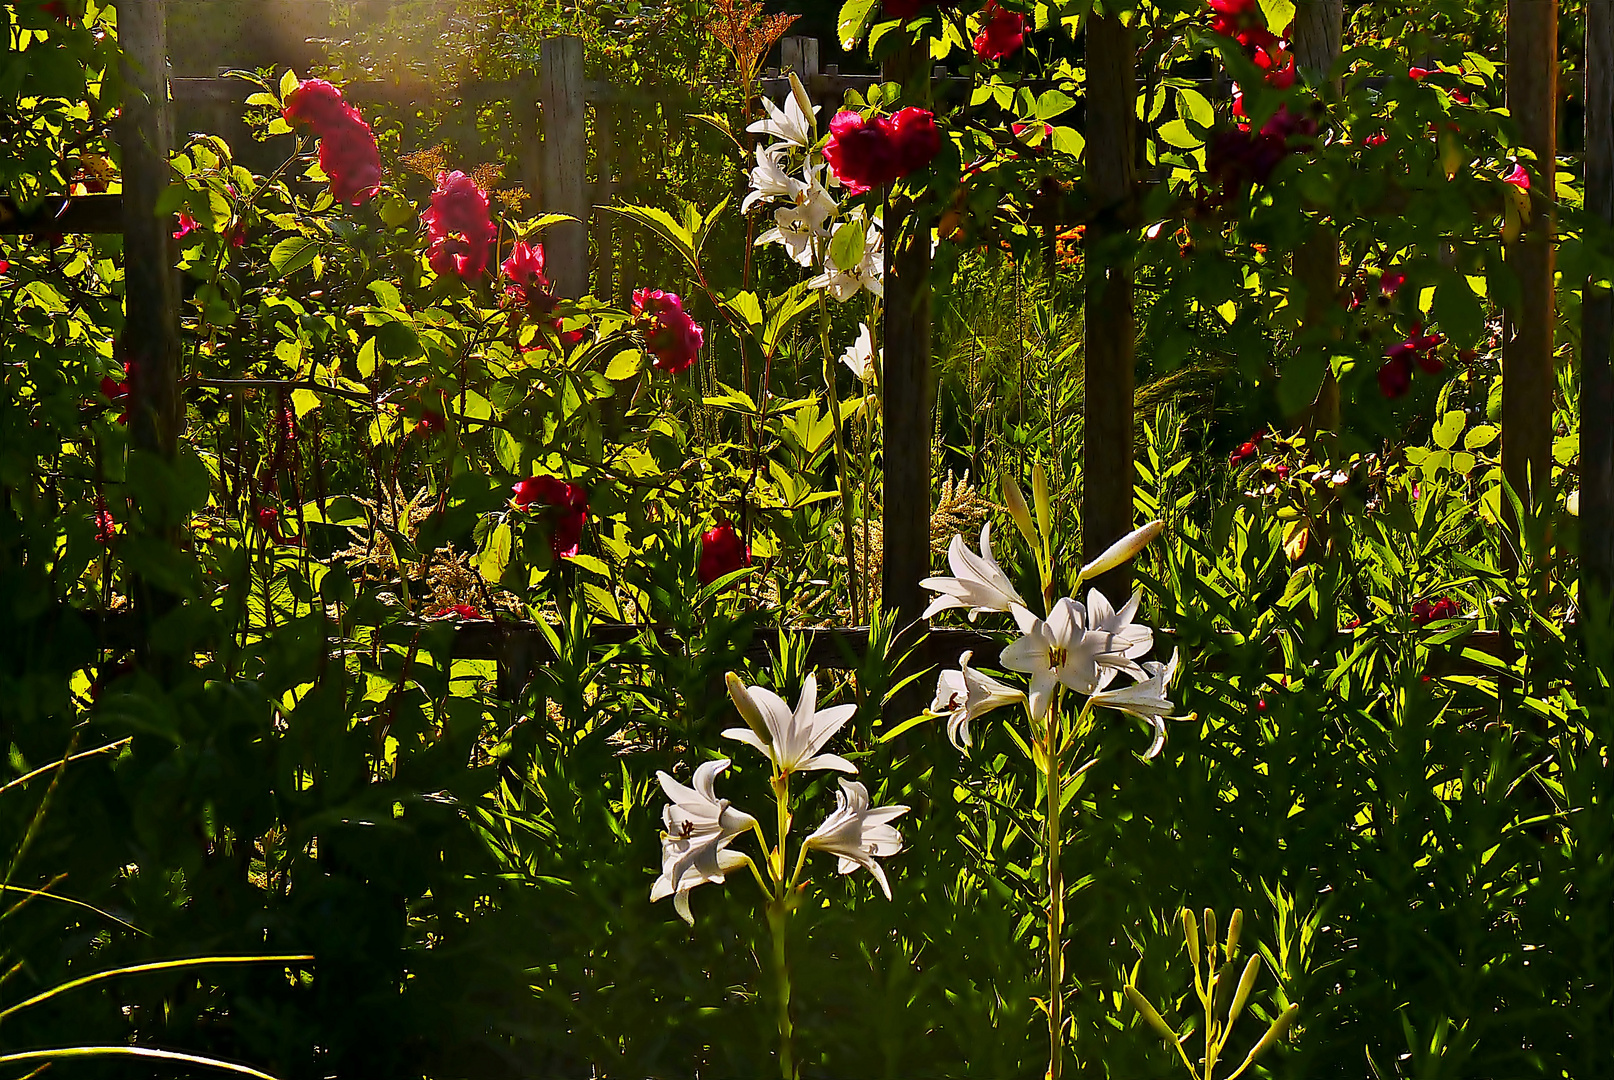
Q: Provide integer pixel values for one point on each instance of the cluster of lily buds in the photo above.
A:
(700, 826)
(1081, 647)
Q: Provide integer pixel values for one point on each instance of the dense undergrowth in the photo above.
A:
(237, 724)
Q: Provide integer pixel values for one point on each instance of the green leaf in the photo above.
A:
(1279, 13)
(1176, 133)
(339, 510)
(494, 557)
(288, 82)
(625, 365)
(1192, 105)
(1052, 103)
(1067, 140)
(1449, 428)
(397, 340)
(1480, 436)
(664, 225)
(846, 246)
(854, 22)
(292, 254)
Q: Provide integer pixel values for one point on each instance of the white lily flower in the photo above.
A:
(869, 273)
(858, 833)
(769, 180)
(1058, 650)
(793, 738)
(1128, 640)
(861, 356)
(978, 582)
(1146, 699)
(801, 225)
(699, 826)
(792, 126)
(966, 694)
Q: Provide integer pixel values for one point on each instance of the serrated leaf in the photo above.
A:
(1192, 105)
(846, 245)
(1449, 429)
(292, 254)
(1067, 140)
(625, 365)
(854, 22)
(304, 401)
(1480, 436)
(288, 82)
(1052, 103)
(1176, 133)
(1279, 14)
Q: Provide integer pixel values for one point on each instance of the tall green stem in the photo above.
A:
(1056, 907)
(779, 923)
(842, 466)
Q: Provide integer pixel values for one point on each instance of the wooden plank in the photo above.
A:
(150, 338)
(604, 194)
(1108, 472)
(1527, 346)
(799, 54)
(908, 392)
(59, 215)
(1318, 32)
(565, 163)
(1597, 314)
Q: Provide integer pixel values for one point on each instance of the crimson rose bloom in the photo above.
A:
(672, 337)
(347, 150)
(870, 153)
(527, 282)
(569, 503)
(1424, 612)
(459, 227)
(1003, 33)
(722, 553)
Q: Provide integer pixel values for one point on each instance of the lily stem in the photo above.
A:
(1056, 908)
(779, 924)
(843, 470)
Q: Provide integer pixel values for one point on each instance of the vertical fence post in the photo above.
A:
(146, 133)
(626, 240)
(1528, 381)
(1596, 371)
(604, 195)
(799, 54)
(1107, 468)
(1319, 28)
(565, 162)
(905, 334)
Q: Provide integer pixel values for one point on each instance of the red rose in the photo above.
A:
(917, 139)
(860, 152)
(673, 338)
(1395, 376)
(347, 149)
(722, 553)
(1518, 178)
(528, 283)
(1391, 281)
(1002, 33)
(1244, 453)
(187, 225)
(569, 503)
(459, 227)
(1424, 612)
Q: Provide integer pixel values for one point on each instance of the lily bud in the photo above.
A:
(802, 100)
(1235, 925)
(1015, 500)
(1190, 931)
(1124, 549)
(1039, 492)
(1246, 984)
(1210, 932)
(748, 708)
(1150, 1014)
(1279, 1026)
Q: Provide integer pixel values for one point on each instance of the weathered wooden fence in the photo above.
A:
(555, 170)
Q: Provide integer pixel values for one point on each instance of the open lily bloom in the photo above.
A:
(966, 694)
(1059, 650)
(858, 833)
(790, 125)
(1128, 639)
(861, 355)
(699, 826)
(798, 226)
(978, 582)
(793, 738)
(769, 180)
(843, 283)
(1146, 699)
